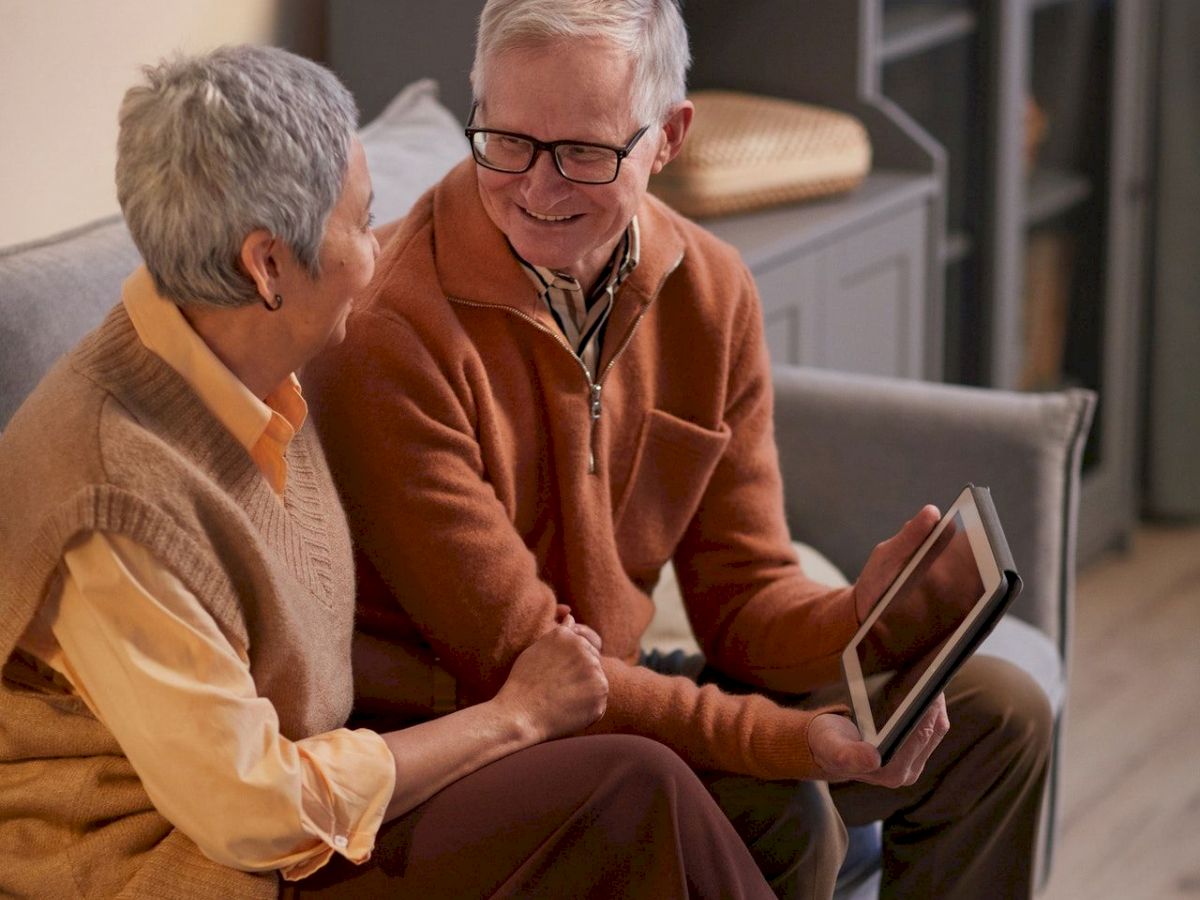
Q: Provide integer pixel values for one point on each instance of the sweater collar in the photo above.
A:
(474, 262)
(264, 427)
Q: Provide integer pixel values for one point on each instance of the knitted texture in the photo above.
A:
(114, 440)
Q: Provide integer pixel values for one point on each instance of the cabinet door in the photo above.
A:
(856, 304)
(788, 291)
(871, 317)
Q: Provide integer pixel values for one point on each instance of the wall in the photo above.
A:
(64, 66)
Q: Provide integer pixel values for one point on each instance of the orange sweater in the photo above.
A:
(482, 487)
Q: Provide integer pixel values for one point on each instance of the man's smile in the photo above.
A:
(542, 217)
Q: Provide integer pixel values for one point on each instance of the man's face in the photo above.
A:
(578, 90)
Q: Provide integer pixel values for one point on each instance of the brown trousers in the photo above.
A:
(604, 817)
(966, 829)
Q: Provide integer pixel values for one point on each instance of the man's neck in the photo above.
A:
(588, 272)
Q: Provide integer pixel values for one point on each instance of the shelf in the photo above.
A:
(1052, 192)
(913, 30)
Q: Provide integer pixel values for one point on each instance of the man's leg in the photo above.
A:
(968, 827)
(606, 816)
(791, 828)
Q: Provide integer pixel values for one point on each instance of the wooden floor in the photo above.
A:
(1131, 819)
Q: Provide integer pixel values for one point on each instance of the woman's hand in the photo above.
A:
(556, 686)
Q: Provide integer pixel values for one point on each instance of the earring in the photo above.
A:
(278, 302)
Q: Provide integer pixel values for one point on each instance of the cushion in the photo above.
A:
(746, 151)
(52, 292)
(409, 147)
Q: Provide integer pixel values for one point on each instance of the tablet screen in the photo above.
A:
(925, 612)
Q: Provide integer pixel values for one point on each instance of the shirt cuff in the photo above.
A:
(348, 781)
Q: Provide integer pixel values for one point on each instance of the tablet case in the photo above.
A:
(982, 626)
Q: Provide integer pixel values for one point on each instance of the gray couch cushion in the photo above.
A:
(409, 147)
(52, 292)
(1032, 650)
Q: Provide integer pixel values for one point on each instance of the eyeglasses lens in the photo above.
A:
(577, 162)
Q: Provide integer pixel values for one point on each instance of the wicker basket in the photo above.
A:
(745, 152)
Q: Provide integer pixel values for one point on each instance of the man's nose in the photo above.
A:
(543, 180)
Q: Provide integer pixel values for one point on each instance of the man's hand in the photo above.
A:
(838, 748)
(889, 557)
(562, 615)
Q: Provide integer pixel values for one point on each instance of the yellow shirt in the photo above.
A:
(144, 654)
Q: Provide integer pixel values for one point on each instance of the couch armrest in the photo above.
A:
(861, 454)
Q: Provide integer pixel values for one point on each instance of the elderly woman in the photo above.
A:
(176, 584)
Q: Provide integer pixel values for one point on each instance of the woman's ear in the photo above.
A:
(675, 129)
(260, 261)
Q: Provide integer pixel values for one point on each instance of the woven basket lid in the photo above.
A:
(745, 151)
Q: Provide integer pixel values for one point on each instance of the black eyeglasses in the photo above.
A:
(578, 161)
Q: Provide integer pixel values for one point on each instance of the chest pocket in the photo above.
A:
(671, 469)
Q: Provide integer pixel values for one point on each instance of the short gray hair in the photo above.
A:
(651, 31)
(212, 147)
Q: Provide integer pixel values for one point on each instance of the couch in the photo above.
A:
(859, 454)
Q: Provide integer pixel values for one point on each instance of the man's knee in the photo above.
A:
(792, 828)
(1003, 706)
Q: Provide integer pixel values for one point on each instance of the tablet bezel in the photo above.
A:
(887, 736)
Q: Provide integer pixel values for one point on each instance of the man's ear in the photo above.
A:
(260, 261)
(675, 128)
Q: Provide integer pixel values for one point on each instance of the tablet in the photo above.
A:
(942, 604)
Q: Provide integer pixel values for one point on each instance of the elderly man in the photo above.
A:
(555, 385)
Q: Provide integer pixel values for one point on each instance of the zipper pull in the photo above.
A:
(594, 394)
(595, 402)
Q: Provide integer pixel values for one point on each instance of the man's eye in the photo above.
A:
(584, 154)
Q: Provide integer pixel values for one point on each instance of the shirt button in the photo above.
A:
(340, 842)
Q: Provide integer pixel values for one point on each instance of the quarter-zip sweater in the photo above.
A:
(488, 477)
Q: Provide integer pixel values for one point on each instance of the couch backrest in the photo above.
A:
(52, 292)
(55, 290)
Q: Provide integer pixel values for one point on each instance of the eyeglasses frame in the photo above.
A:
(550, 147)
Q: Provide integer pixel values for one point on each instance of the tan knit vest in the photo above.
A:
(114, 440)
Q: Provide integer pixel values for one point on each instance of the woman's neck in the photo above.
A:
(252, 345)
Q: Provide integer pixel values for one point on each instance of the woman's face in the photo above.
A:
(318, 308)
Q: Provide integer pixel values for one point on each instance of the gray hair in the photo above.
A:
(213, 147)
(651, 31)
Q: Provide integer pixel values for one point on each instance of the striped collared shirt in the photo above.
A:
(582, 315)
